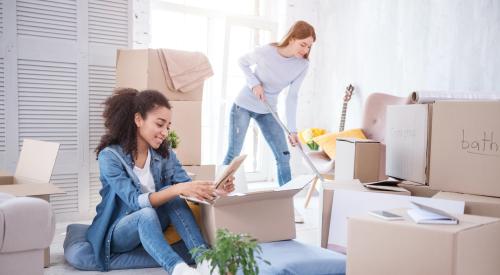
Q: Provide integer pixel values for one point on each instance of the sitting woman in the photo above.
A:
(141, 183)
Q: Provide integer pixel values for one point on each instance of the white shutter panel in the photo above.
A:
(47, 84)
(108, 30)
(47, 102)
(108, 22)
(2, 106)
(51, 19)
(1, 18)
(101, 84)
(68, 202)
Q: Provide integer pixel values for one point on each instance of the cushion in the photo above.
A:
(79, 253)
(171, 235)
(295, 258)
(286, 257)
(328, 142)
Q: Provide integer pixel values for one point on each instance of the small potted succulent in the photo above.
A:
(173, 139)
(231, 252)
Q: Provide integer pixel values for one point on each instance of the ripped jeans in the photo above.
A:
(272, 132)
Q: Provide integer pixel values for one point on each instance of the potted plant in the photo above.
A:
(230, 253)
(173, 139)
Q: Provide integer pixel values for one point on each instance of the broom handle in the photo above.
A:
(304, 155)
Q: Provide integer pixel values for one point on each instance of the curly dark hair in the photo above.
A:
(119, 113)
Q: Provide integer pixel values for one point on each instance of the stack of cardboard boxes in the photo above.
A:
(448, 147)
(142, 69)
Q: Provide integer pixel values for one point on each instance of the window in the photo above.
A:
(224, 31)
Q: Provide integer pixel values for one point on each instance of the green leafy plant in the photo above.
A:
(312, 145)
(230, 252)
(173, 139)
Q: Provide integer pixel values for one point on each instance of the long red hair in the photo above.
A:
(299, 30)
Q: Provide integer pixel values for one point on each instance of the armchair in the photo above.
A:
(373, 126)
(26, 229)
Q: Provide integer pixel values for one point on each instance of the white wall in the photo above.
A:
(401, 46)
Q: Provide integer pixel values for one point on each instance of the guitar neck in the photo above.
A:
(342, 117)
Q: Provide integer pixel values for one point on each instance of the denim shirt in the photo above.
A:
(121, 193)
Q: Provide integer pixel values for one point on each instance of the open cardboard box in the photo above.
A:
(33, 171)
(327, 200)
(265, 215)
(32, 176)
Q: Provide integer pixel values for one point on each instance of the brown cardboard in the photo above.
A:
(329, 188)
(357, 159)
(33, 170)
(407, 135)
(201, 172)
(32, 176)
(266, 215)
(475, 205)
(377, 246)
(418, 190)
(186, 122)
(141, 69)
(465, 147)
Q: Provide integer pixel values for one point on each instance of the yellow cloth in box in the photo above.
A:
(171, 235)
(328, 141)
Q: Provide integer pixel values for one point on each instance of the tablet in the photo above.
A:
(227, 173)
(230, 170)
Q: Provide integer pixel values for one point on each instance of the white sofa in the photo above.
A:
(26, 228)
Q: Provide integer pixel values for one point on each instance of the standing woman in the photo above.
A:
(141, 183)
(277, 66)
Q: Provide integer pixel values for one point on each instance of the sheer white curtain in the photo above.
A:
(223, 30)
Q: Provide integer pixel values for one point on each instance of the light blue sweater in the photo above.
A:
(274, 72)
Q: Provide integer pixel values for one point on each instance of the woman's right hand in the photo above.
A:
(202, 190)
(258, 91)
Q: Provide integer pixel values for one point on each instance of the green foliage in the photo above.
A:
(231, 251)
(313, 145)
(173, 139)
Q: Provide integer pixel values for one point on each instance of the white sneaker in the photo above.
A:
(184, 269)
(298, 217)
(204, 268)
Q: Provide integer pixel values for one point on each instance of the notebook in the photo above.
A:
(427, 214)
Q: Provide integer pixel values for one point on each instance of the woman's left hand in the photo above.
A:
(294, 139)
(227, 187)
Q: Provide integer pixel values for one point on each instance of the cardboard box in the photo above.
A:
(465, 147)
(267, 215)
(406, 138)
(418, 190)
(347, 203)
(32, 176)
(475, 205)
(377, 246)
(141, 69)
(186, 122)
(33, 170)
(329, 188)
(201, 172)
(357, 159)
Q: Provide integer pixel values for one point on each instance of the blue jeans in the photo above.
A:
(145, 227)
(272, 132)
